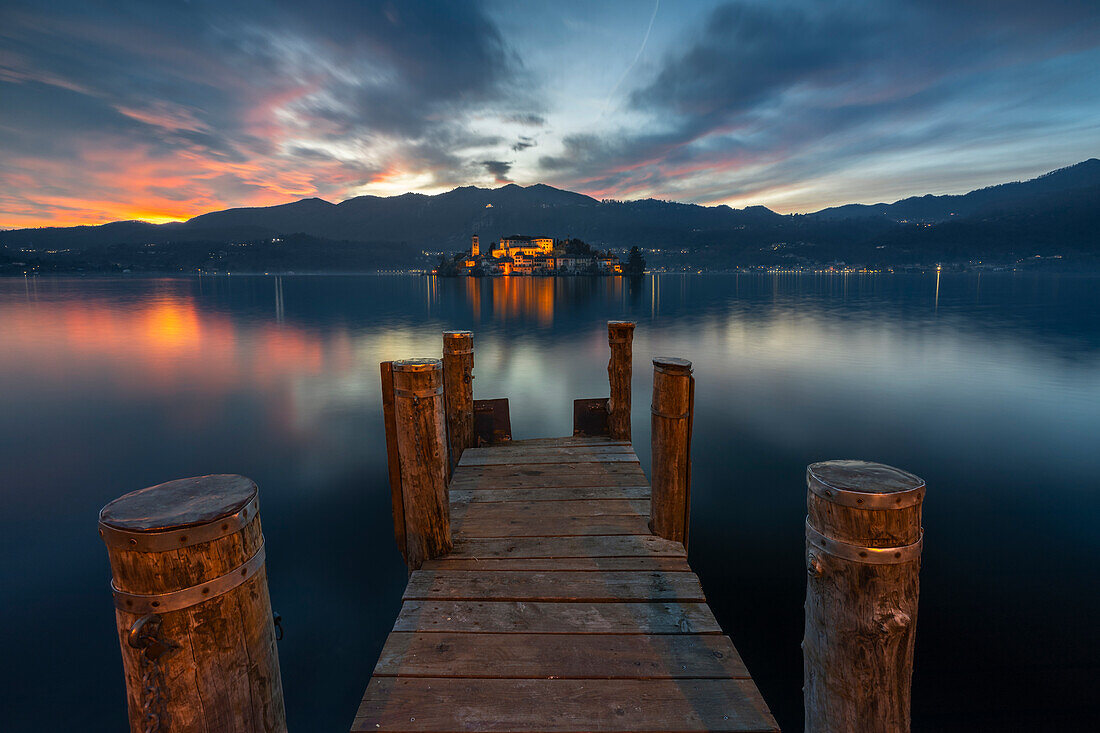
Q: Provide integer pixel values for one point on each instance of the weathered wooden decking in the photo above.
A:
(557, 610)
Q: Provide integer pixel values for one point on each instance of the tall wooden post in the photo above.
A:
(191, 604)
(458, 391)
(863, 545)
(620, 337)
(673, 405)
(422, 456)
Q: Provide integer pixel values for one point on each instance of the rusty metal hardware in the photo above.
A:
(658, 413)
(861, 554)
(277, 619)
(144, 634)
(418, 394)
(185, 598)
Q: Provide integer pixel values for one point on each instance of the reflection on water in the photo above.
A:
(987, 387)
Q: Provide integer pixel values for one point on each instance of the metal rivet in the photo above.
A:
(244, 571)
(859, 501)
(225, 527)
(183, 538)
(205, 591)
(129, 603)
(133, 541)
(897, 554)
(863, 554)
(155, 603)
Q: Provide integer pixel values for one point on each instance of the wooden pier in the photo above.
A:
(549, 587)
(554, 606)
(557, 609)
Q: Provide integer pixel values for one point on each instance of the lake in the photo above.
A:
(987, 386)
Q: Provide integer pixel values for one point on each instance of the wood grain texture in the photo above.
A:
(458, 391)
(620, 337)
(506, 617)
(509, 510)
(393, 463)
(547, 547)
(422, 452)
(224, 672)
(524, 585)
(593, 564)
(559, 456)
(572, 494)
(560, 656)
(438, 704)
(670, 437)
(557, 622)
(860, 619)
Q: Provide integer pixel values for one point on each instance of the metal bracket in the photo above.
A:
(418, 394)
(866, 555)
(178, 600)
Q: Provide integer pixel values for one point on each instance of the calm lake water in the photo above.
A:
(988, 387)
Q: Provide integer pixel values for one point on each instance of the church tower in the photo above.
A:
(475, 248)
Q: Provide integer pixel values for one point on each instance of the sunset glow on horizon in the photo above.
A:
(164, 111)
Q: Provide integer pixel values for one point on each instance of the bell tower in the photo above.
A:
(475, 247)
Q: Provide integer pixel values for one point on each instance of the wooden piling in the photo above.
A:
(673, 405)
(389, 417)
(192, 608)
(458, 392)
(620, 337)
(422, 456)
(863, 545)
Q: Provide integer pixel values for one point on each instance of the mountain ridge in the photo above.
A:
(1056, 213)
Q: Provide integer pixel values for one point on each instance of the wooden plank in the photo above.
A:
(522, 481)
(659, 617)
(524, 585)
(543, 469)
(591, 564)
(548, 493)
(560, 656)
(549, 547)
(476, 526)
(570, 440)
(528, 459)
(549, 706)
(594, 473)
(506, 511)
(592, 450)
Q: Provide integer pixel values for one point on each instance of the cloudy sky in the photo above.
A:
(163, 109)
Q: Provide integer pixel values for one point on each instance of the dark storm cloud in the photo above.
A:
(499, 169)
(786, 83)
(523, 143)
(243, 91)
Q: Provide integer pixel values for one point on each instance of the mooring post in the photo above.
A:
(863, 545)
(192, 608)
(389, 417)
(458, 392)
(422, 457)
(620, 337)
(673, 407)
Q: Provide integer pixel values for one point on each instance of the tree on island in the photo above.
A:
(635, 263)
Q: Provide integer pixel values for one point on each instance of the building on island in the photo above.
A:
(530, 255)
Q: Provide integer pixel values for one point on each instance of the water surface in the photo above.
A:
(988, 387)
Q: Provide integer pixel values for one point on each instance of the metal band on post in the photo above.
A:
(177, 538)
(196, 594)
(419, 394)
(867, 555)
